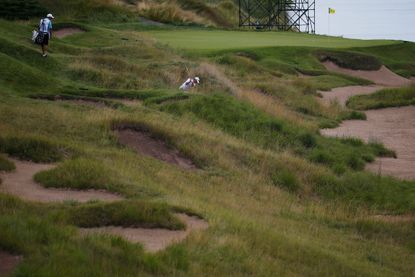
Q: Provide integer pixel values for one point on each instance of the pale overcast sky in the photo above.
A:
(367, 19)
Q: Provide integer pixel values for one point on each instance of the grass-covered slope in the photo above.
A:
(280, 199)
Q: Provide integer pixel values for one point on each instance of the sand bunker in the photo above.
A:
(20, 183)
(8, 263)
(62, 33)
(342, 94)
(395, 127)
(144, 143)
(153, 240)
(383, 76)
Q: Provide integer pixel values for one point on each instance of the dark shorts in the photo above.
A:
(45, 40)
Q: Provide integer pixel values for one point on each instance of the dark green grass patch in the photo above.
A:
(6, 164)
(80, 174)
(150, 95)
(238, 118)
(387, 194)
(36, 149)
(394, 97)
(64, 97)
(351, 60)
(287, 180)
(126, 214)
(246, 122)
(21, 9)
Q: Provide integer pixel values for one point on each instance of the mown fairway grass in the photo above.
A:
(197, 40)
(270, 210)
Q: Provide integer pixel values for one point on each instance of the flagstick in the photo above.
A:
(329, 22)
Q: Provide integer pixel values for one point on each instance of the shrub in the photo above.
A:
(36, 149)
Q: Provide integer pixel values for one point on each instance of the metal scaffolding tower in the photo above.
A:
(283, 15)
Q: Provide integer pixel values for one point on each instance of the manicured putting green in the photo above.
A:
(222, 40)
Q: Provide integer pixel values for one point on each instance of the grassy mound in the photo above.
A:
(395, 57)
(6, 165)
(36, 149)
(126, 214)
(394, 97)
(80, 174)
(350, 60)
(248, 123)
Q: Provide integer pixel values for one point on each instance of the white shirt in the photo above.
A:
(45, 25)
(187, 85)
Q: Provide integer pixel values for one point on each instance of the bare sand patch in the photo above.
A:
(395, 127)
(8, 263)
(383, 76)
(153, 240)
(144, 143)
(21, 184)
(64, 32)
(342, 94)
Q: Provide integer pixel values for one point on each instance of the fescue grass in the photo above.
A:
(386, 194)
(6, 164)
(355, 61)
(395, 97)
(36, 149)
(80, 174)
(246, 122)
(126, 213)
(56, 249)
(271, 211)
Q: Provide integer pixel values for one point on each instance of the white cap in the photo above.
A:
(50, 16)
(197, 79)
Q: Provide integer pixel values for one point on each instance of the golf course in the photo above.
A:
(293, 156)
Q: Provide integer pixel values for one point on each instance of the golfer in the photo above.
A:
(45, 31)
(189, 83)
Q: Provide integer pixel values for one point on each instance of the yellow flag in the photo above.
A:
(332, 11)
